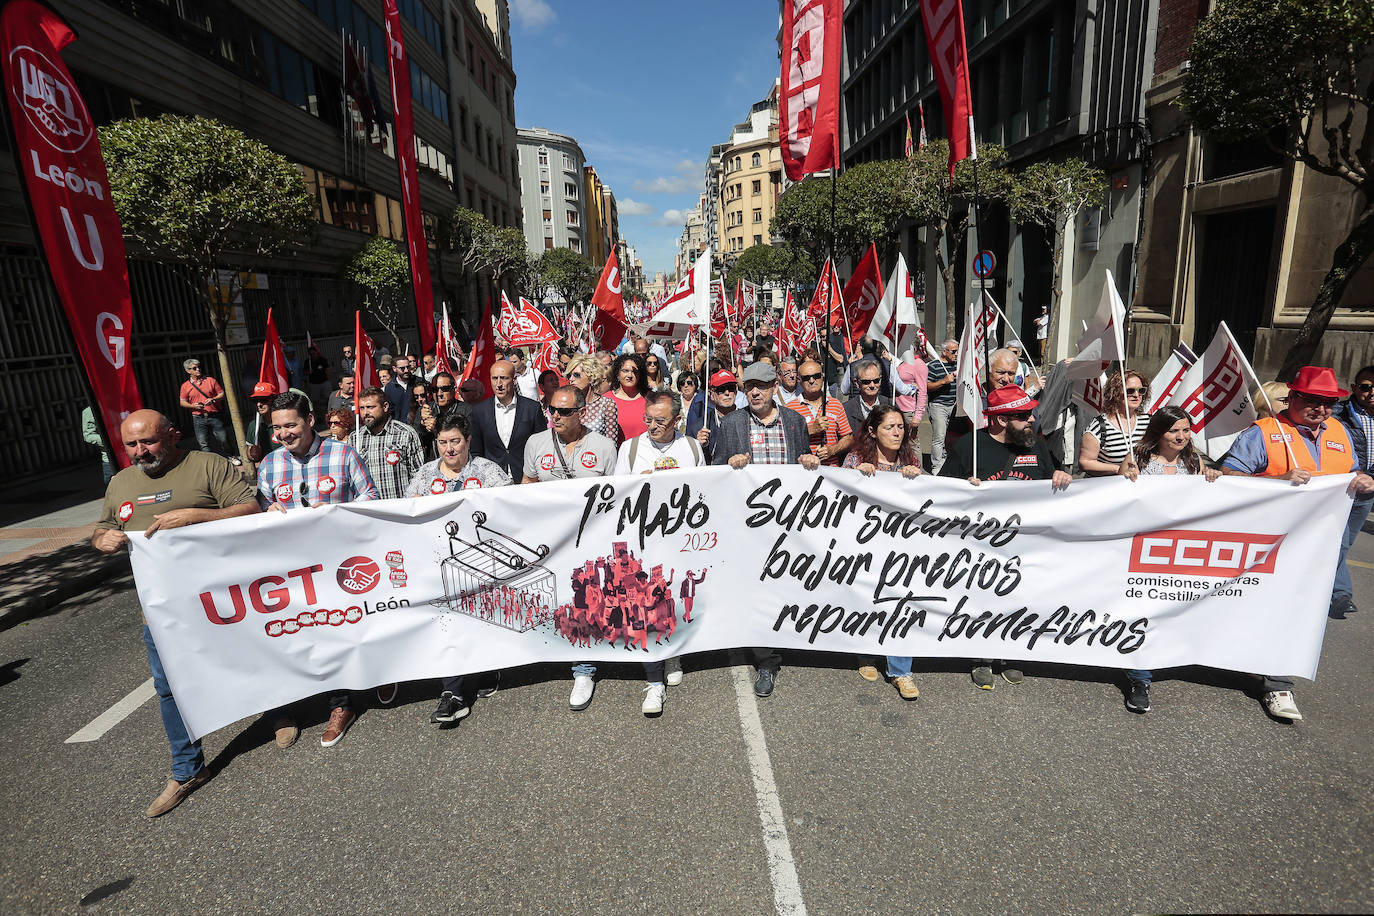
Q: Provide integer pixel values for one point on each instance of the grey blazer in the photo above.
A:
(732, 437)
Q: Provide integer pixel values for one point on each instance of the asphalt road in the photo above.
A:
(1047, 798)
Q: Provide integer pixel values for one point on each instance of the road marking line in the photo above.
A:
(115, 714)
(787, 895)
(1359, 564)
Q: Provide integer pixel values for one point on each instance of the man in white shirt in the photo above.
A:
(526, 379)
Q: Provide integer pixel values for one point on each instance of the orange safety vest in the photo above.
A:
(1335, 452)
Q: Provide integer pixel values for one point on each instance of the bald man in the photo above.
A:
(162, 488)
(504, 422)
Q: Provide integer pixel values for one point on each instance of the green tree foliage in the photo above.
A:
(569, 274)
(383, 272)
(1295, 75)
(198, 193)
(1048, 195)
(782, 265)
(945, 208)
(872, 199)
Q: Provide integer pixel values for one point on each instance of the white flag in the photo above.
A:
(970, 380)
(689, 305)
(1103, 339)
(1169, 377)
(1215, 393)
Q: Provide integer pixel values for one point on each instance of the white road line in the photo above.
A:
(787, 895)
(115, 714)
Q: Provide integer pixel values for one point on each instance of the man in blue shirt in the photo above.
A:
(1356, 413)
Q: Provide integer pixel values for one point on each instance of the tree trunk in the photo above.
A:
(1350, 255)
(1056, 293)
(227, 379)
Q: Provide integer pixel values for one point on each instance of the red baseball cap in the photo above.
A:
(1317, 382)
(264, 390)
(1010, 399)
(723, 377)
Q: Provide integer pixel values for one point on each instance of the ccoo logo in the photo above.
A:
(357, 575)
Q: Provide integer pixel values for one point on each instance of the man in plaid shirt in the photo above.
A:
(310, 470)
(390, 449)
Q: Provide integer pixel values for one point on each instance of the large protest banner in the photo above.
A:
(255, 612)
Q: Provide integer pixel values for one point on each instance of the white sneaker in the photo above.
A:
(672, 669)
(653, 699)
(1281, 705)
(581, 697)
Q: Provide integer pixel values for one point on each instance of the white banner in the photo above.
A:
(255, 612)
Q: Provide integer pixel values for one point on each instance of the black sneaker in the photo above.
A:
(451, 708)
(764, 685)
(489, 686)
(1138, 697)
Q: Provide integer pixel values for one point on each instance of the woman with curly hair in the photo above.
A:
(628, 376)
(341, 423)
(586, 372)
(886, 443)
(1112, 434)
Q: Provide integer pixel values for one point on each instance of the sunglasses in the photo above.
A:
(1022, 415)
(755, 386)
(1363, 387)
(1319, 403)
(868, 381)
(812, 378)
(1135, 391)
(565, 411)
(725, 389)
(443, 387)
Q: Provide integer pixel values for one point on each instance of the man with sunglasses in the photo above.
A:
(826, 422)
(1356, 414)
(868, 382)
(1297, 444)
(1008, 449)
(703, 419)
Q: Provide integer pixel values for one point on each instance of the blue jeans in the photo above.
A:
(1359, 511)
(898, 665)
(1141, 675)
(586, 669)
(209, 426)
(187, 757)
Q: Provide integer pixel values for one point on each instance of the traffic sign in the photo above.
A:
(984, 264)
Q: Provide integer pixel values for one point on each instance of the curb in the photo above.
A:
(40, 583)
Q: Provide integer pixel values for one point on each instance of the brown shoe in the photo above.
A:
(339, 721)
(868, 672)
(175, 793)
(906, 686)
(287, 732)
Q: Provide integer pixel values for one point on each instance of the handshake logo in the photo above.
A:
(358, 575)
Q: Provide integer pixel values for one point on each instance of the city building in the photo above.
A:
(750, 179)
(552, 193)
(693, 239)
(603, 218)
(274, 70)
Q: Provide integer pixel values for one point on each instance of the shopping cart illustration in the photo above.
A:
(497, 579)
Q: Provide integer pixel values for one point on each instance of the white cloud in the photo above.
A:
(533, 14)
(670, 218)
(629, 207)
(685, 179)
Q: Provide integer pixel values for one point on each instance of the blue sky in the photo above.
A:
(646, 88)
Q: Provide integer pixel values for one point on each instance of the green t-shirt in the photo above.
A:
(201, 480)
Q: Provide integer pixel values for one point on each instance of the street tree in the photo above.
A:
(568, 274)
(510, 259)
(782, 265)
(945, 208)
(1295, 76)
(875, 199)
(1049, 195)
(197, 193)
(805, 219)
(383, 272)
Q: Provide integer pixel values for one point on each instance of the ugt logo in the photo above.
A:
(357, 575)
(51, 104)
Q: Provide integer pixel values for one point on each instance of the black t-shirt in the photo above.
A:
(318, 372)
(997, 461)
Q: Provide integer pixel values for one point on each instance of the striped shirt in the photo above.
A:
(392, 456)
(331, 472)
(1113, 445)
(938, 370)
(837, 429)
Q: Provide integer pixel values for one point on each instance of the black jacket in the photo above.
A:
(486, 441)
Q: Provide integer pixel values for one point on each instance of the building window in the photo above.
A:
(572, 217)
(548, 216)
(758, 186)
(543, 157)
(548, 242)
(755, 161)
(570, 190)
(544, 188)
(472, 61)
(575, 244)
(758, 240)
(758, 215)
(568, 163)
(737, 160)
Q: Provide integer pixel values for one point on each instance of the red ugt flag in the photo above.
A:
(274, 358)
(809, 103)
(57, 150)
(862, 294)
(609, 325)
(944, 27)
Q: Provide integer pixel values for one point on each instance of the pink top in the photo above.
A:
(913, 374)
(630, 415)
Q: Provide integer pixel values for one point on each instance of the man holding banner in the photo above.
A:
(1270, 448)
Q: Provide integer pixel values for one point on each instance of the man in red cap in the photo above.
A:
(1008, 449)
(704, 419)
(1297, 444)
(259, 433)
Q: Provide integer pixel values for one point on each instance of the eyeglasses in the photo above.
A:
(443, 387)
(755, 386)
(813, 377)
(565, 411)
(868, 381)
(657, 421)
(1364, 387)
(1135, 391)
(1319, 403)
(335, 423)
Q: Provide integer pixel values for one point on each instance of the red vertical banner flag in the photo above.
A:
(410, 180)
(862, 294)
(365, 366)
(608, 327)
(274, 358)
(483, 354)
(809, 103)
(944, 26)
(58, 152)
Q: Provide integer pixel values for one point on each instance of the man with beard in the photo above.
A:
(390, 449)
(1008, 449)
(162, 488)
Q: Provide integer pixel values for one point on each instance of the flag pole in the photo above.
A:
(830, 300)
(1254, 377)
(978, 247)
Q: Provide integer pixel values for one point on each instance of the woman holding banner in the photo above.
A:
(455, 469)
(886, 443)
(1112, 434)
(1166, 449)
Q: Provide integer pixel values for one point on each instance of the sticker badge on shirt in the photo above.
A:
(1024, 460)
(1280, 437)
(148, 499)
(755, 438)
(393, 457)
(437, 486)
(472, 483)
(326, 485)
(283, 492)
(1336, 446)
(589, 460)
(546, 462)
(126, 511)
(666, 463)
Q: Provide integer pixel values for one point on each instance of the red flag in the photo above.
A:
(809, 102)
(446, 350)
(365, 367)
(274, 358)
(525, 327)
(57, 149)
(609, 325)
(547, 358)
(410, 182)
(862, 294)
(483, 354)
(944, 26)
(827, 293)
